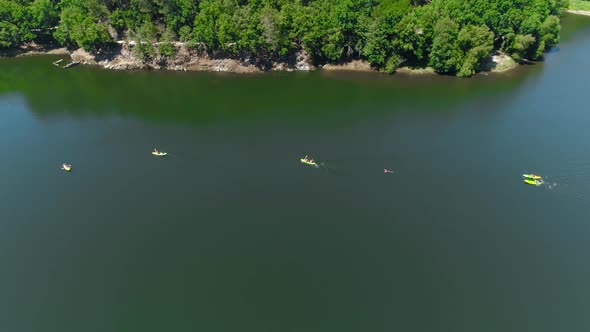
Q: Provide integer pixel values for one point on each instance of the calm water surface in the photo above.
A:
(231, 233)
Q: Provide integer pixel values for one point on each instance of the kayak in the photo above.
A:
(66, 168)
(159, 154)
(532, 182)
(309, 162)
(532, 176)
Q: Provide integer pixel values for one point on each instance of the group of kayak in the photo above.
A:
(68, 167)
(311, 162)
(533, 179)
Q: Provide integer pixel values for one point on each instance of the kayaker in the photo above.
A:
(156, 150)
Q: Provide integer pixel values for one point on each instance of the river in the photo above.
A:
(230, 232)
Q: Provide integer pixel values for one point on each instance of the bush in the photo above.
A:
(185, 33)
(166, 49)
(392, 64)
(144, 50)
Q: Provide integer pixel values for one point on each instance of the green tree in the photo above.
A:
(380, 45)
(413, 38)
(520, 45)
(9, 32)
(45, 17)
(83, 24)
(476, 43)
(445, 55)
(550, 30)
(453, 36)
(320, 30)
(377, 46)
(276, 27)
(249, 38)
(206, 24)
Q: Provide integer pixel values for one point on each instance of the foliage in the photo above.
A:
(82, 23)
(166, 49)
(579, 5)
(452, 36)
(445, 54)
(144, 50)
(550, 30)
(44, 18)
(520, 45)
(476, 43)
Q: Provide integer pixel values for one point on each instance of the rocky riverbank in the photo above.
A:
(124, 57)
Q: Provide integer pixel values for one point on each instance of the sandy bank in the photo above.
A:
(355, 65)
(34, 49)
(577, 12)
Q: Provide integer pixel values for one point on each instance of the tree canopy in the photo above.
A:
(452, 36)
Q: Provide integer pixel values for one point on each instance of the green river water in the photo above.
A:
(231, 232)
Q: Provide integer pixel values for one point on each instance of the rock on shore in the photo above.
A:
(124, 57)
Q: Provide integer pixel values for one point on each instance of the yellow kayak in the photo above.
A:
(532, 176)
(66, 167)
(532, 182)
(310, 163)
(159, 154)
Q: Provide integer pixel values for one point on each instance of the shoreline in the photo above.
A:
(577, 12)
(27, 50)
(123, 58)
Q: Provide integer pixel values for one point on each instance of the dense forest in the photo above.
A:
(452, 36)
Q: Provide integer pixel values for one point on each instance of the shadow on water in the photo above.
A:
(233, 233)
(572, 25)
(200, 98)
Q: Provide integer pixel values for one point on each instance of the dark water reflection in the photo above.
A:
(232, 233)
